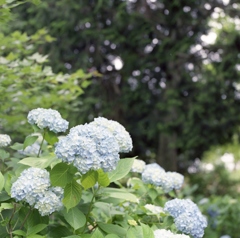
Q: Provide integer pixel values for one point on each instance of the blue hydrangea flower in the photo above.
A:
(119, 132)
(5, 140)
(49, 203)
(138, 166)
(162, 233)
(152, 173)
(48, 118)
(89, 147)
(187, 216)
(31, 185)
(172, 180)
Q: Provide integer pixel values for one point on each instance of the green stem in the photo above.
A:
(25, 219)
(10, 220)
(90, 206)
(41, 144)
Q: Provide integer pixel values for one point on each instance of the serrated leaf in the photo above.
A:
(123, 168)
(42, 162)
(103, 179)
(2, 181)
(51, 137)
(61, 174)
(29, 141)
(89, 179)
(35, 229)
(72, 194)
(75, 218)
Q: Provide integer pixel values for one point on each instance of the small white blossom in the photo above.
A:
(48, 118)
(5, 140)
(138, 166)
(162, 233)
(154, 209)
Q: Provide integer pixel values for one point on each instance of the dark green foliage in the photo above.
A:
(174, 106)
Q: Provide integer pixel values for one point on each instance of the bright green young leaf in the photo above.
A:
(5, 206)
(42, 162)
(8, 182)
(123, 168)
(72, 194)
(51, 137)
(2, 181)
(61, 174)
(35, 229)
(112, 229)
(89, 179)
(19, 232)
(29, 141)
(97, 234)
(103, 179)
(75, 218)
(117, 193)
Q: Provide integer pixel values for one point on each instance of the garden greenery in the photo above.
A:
(73, 186)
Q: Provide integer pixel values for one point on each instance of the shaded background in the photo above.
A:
(170, 69)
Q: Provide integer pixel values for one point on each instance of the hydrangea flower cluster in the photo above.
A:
(5, 140)
(33, 187)
(154, 209)
(89, 147)
(162, 233)
(156, 175)
(138, 166)
(187, 216)
(48, 118)
(119, 132)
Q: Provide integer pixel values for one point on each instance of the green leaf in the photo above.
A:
(123, 168)
(5, 206)
(97, 234)
(74, 236)
(112, 229)
(2, 181)
(3, 154)
(51, 137)
(147, 232)
(35, 229)
(75, 218)
(117, 193)
(17, 146)
(19, 232)
(62, 174)
(36, 236)
(103, 179)
(112, 236)
(41, 162)
(135, 232)
(8, 182)
(29, 141)
(58, 231)
(89, 179)
(72, 194)
(4, 196)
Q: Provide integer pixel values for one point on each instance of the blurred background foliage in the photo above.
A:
(170, 70)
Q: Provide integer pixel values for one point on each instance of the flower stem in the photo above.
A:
(41, 144)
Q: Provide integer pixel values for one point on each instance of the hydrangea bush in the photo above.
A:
(76, 186)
